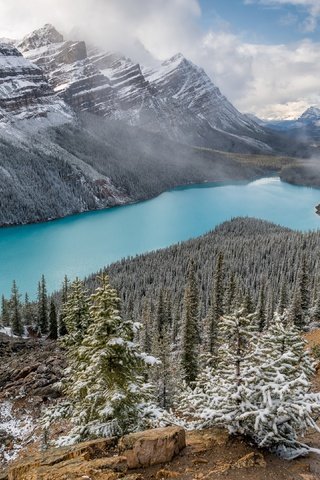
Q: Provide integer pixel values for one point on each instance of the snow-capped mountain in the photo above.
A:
(305, 128)
(177, 99)
(190, 86)
(25, 92)
(70, 73)
(310, 117)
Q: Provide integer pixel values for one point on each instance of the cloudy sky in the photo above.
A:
(263, 54)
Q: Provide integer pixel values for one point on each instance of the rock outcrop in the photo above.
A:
(99, 459)
(71, 74)
(24, 91)
(209, 454)
(143, 449)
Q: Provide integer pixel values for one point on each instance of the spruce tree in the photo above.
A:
(42, 319)
(262, 388)
(218, 395)
(28, 311)
(76, 314)
(190, 334)
(283, 301)
(5, 312)
(107, 382)
(16, 319)
(295, 313)
(304, 286)
(260, 315)
(315, 314)
(281, 407)
(53, 323)
(216, 308)
(62, 329)
(229, 296)
(161, 375)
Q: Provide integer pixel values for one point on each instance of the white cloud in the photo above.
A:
(269, 80)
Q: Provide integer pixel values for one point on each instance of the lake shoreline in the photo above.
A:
(184, 186)
(82, 244)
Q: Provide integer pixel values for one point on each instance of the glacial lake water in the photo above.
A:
(82, 244)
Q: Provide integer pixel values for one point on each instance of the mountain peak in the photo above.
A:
(41, 37)
(176, 59)
(312, 113)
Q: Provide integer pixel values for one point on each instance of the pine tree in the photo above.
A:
(262, 389)
(296, 314)
(161, 375)
(283, 301)
(42, 319)
(53, 323)
(161, 315)
(304, 286)
(216, 309)
(76, 314)
(28, 313)
(248, 304)
(62, 329)
(145, 333)
(16, 320)
(107, 382)
(260, 315)
(230, 293)
(218, 394)
(281, 407)
(315, 315)
(5, 312)
(190, 334)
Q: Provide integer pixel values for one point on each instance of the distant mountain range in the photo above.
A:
(53, 91)
(306, 127)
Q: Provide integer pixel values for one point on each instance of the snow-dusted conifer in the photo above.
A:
(108, 390)
(42, 320)
(16, 320)
(190, 334)
(76, 314)
(279, 406)
(53, 323)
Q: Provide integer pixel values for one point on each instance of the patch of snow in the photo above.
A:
(19, 429)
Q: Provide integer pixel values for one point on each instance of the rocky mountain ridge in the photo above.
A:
(83, 129)
(177, 99)
(306, 126)
(24, 90)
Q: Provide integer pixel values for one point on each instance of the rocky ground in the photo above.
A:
(160, 454)
(29, 371)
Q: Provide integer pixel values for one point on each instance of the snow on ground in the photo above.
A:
(20, 430)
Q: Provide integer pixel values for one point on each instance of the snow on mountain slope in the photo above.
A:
(311, 116)
(25, 93)
(177, 100)
(70, 73)
(187, 83)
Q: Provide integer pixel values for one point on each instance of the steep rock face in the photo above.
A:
(190, 86)
(177, 100)
(24, 90)
(71, 74)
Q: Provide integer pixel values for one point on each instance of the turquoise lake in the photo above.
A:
(82, 244)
